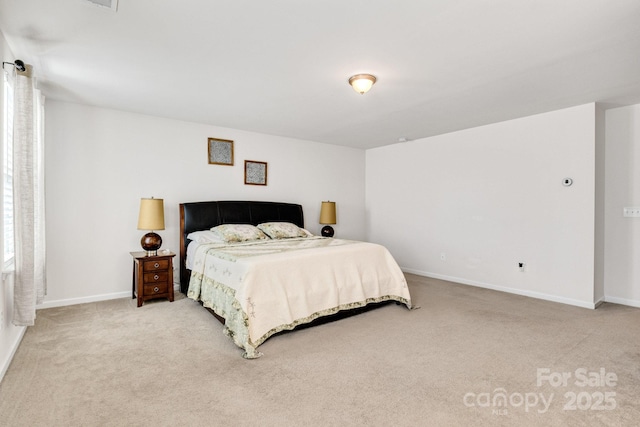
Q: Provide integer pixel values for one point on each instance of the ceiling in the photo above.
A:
(281, 67)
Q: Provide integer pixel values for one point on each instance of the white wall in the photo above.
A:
(10, 335)
(100, 162)
(490, 197)
(622, 241)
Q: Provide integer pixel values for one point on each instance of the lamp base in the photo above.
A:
(327, 231)
(151, 242)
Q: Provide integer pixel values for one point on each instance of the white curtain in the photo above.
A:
(28, 198)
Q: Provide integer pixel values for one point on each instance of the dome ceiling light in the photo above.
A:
(361, 83)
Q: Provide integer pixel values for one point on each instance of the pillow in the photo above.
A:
(282, 230)
(231, 233)
(205, 236)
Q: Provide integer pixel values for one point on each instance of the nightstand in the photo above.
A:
(152, 276)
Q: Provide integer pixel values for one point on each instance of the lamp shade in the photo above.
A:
(151, 215)
(328, 213)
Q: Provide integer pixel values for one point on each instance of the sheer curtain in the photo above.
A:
(28, 196)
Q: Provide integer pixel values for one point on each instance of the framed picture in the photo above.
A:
(255, 173)
(220, 152)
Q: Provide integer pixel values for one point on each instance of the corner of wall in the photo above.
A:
(9, 350)
(599, 241)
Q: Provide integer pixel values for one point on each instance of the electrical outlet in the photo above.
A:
(631, 212)
(443, 256)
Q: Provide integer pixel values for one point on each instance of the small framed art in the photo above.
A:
(255, 173)
(220, 152)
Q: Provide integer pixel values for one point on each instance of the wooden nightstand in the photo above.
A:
(152, 276)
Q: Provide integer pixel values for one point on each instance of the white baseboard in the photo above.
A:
(12, 351)
(532, 294)
(623, 301)
(93, 298)
(83, 300)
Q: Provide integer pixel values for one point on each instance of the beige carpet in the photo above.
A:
(168, 364)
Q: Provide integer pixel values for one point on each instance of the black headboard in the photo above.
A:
(198, 216)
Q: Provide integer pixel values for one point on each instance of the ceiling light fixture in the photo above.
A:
(361, 83)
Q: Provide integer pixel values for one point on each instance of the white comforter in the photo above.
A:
(264, 287)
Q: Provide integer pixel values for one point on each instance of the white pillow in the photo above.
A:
(205, 236)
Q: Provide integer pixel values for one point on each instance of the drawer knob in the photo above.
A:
(156, 289)
(156, 265)
(156, 277)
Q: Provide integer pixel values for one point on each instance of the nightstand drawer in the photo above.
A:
(160, 288)
(161, 264)
(157, 277)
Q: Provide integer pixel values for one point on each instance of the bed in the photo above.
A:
(260, 286)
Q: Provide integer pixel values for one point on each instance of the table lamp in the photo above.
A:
(327, 216)
(151, 218)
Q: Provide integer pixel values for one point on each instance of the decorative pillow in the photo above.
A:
(205, 236)
(282, 230)
(230, 233)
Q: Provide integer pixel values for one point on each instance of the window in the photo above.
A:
(7, 174)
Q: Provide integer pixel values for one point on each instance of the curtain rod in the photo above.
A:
(18, 64)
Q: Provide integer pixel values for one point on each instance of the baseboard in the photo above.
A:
(12, 351)
(537, 295)
(93, 298)
(82, 300)
(623, 301)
